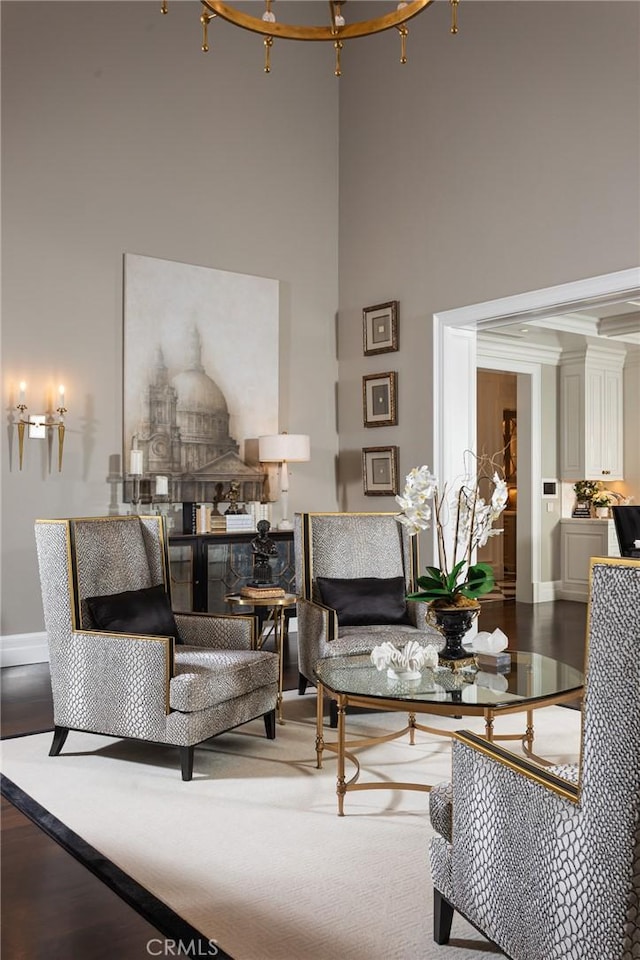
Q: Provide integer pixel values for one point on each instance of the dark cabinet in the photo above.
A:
(206, 567)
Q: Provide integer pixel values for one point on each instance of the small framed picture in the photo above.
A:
(380, 328)
(379, 391)
(380, 471)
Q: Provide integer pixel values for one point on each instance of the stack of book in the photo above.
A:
(494, 662)
(236, 522)
(268, 592)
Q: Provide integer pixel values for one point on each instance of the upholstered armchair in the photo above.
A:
(546, 861)
(353, 571)
(122, 663)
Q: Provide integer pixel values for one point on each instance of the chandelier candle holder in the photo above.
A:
(136, 467)
(407, 663)
(40, 423)
(336, 30)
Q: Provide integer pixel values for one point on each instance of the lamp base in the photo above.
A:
(285, 525)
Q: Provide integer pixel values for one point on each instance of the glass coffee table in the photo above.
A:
(533, 681)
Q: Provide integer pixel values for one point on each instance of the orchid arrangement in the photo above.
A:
(473, 517)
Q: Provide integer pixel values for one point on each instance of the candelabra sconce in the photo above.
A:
(39, 424)
(162, 498)
(136, 493)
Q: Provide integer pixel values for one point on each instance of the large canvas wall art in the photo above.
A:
(200, 375)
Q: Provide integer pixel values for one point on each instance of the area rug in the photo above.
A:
(251, 853)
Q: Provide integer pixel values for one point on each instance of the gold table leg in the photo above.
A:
(319, 725)
(341, 787)
(278, 619)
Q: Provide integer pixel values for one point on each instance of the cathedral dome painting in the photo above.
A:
(202, 416)
(187, 434)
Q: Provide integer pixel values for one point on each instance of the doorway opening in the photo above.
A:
(496, 426)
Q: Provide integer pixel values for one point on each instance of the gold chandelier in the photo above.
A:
(337, 31)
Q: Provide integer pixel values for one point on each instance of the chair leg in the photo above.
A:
(270, 724)
(302, 684)
(186, 762)
(59, 737)
(442, 918)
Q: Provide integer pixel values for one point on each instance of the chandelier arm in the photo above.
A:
(205, 18)
(338, 48)
(403, 31)
(268, 43)
(454, 16)
(363, 28)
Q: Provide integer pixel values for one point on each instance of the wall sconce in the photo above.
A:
(284, 448)
(40, 423)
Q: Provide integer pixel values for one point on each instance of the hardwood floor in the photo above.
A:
(54, 908)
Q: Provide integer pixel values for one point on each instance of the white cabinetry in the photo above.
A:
(580, 540)
(591, 428)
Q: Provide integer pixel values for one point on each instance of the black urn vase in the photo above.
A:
(453, 623)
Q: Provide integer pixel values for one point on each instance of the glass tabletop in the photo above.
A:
(531, 677)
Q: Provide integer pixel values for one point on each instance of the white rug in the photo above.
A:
(252, 853)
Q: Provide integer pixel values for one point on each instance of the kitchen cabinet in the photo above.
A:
(591, 414)
(580, 540)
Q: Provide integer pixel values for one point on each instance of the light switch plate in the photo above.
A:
(37, 429)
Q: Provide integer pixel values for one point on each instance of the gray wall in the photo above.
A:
(502, 160)
(120, 136)
(499, 161)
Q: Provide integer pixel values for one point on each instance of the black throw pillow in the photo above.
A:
(144, 611)
(365, 601)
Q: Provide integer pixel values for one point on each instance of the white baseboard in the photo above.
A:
(545, 591)
(579, 593)
(22, 648)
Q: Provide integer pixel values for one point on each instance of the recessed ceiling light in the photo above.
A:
(634, 303)
(524, 330)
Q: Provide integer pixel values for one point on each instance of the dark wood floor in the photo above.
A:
(54, 909)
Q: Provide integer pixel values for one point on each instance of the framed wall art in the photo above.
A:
(380, 328)
(380, 471)
(379, 399)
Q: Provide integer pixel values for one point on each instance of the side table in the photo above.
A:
(276, 607)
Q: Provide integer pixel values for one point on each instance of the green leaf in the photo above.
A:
(427, 583)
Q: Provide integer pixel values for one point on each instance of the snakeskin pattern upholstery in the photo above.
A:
(543, 876)
(211, 630)
(205, 678)
(141, 687)
(441, 809)
(350, 546)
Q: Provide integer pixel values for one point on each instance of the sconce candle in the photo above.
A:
(23, 388)
(61, 396)
(162, 486)
(136, 463)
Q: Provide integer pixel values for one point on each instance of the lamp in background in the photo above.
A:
(39, 423)
(284, 448)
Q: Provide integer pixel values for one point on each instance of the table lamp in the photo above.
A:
(284, 448)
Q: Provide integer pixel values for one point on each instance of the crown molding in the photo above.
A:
(493, 345)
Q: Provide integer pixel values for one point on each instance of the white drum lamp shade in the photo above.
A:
(284, 448)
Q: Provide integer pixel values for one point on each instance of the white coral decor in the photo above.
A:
(404, 664)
